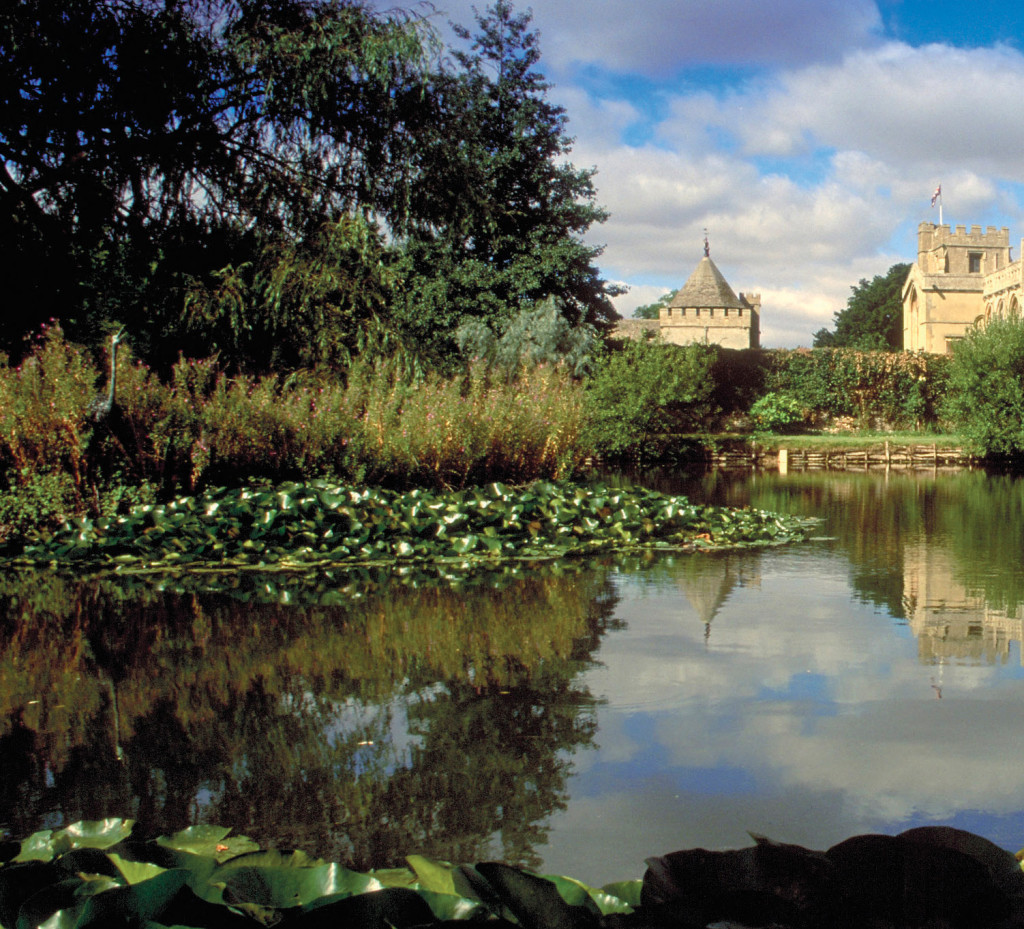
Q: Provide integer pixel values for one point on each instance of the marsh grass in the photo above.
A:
(202, 425)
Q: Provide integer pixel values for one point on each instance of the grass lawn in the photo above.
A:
(858, 440)
(828, 442)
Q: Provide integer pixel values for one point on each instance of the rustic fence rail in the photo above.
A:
(902, 457)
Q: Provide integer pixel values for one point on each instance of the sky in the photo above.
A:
(806, 136)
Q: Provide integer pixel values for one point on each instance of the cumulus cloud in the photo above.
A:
(806, 139)
(660, 37)
(811, 177)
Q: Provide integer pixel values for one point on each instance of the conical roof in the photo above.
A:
(706, 288)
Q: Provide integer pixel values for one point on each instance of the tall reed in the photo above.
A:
(374, 424)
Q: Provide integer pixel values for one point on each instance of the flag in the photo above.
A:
(937, 195)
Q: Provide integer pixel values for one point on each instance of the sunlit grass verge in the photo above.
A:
(103, 873)
(317, 524)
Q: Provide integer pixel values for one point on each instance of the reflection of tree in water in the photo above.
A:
(869, 515)
(439, 719)
(985, 530)
(959, 535)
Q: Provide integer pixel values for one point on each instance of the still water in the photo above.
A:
(574, 718)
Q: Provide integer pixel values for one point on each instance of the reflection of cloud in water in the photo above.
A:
(810, 701)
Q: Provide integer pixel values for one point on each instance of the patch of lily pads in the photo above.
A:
(313, 525)
(104, 873)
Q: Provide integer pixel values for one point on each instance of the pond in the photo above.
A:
(570, 717)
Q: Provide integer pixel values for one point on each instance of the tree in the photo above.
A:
(502, 213)
(986, 388)
(873, 318)
(538, 335)
(145, 143)
(653, 310)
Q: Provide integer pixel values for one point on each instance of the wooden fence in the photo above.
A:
(904, 457)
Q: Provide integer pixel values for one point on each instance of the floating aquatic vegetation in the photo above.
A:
(319, 524)
(101, 873)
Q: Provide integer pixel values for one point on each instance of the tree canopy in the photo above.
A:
(653, 310)
(873, 317)
(266, 178)
(504, 210)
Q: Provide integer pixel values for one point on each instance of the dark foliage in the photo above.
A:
(873, 318)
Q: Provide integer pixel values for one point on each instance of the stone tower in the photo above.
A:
(944, 294)
(705, 309)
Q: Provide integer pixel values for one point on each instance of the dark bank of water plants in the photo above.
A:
(317, 524)
(98, 873)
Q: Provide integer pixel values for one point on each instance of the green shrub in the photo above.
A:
(645, 390)
(776, 412)
(880, 389)
(986, 388)
(35, 502)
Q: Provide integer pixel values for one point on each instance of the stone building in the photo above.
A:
(704, 309)
(960, 279)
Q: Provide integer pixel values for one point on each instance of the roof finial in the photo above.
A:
(707, 246)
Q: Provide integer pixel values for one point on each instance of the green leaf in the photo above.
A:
(626, 891)
(436, 876)
(536, 902)
(101, 833)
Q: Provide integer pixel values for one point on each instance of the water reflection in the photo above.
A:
(438, 718)
(572, 717)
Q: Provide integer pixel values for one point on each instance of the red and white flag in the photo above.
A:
(937, 195)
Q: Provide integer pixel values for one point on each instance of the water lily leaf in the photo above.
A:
(436, 876)
(283, 886)
(534, 901)
(397, 907)
(212, 841)
(133, 904)
(626, 891)
(450, 906)
(19, 882)
(37, 847)
(47, 902)
(101, 833)
(135, 872)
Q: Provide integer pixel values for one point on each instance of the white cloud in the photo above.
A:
(658, 37)
(806, 178)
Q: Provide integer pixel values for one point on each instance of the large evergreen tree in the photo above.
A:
(873, 317)
(503, 211)
(145, 143)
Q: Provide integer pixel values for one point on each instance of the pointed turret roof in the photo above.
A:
(706, 288)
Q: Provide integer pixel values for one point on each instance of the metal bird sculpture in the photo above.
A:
(101, 408)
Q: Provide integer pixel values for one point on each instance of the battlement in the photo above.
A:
(931, 235)
(941, 250)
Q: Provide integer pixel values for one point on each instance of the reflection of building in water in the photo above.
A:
(708, 581)
(947, 621)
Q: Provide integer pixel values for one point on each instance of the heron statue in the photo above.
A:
(101, 408)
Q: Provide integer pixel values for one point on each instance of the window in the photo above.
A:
(974, 262)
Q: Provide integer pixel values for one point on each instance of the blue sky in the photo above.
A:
(807, 136)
